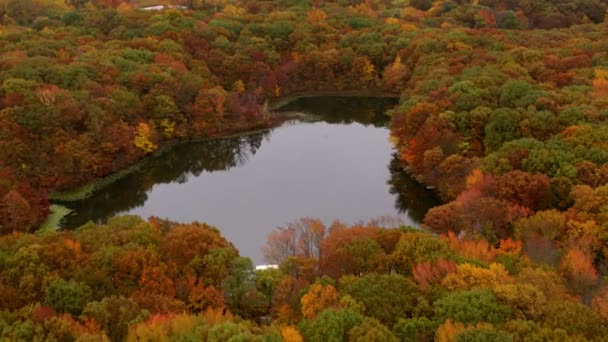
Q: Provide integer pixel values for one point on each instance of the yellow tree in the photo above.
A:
(448, 330)
(364, 69)
(395, 73)
(600, 82)
(239, 86)
(142, 138)
(526, 300)
(319, 298)
(290, 334)
(316, 16)
(468, 276)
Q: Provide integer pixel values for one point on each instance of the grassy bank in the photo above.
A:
(53, 221)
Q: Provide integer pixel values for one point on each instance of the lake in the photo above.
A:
(341, 166)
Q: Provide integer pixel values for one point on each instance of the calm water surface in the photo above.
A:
(341, 167)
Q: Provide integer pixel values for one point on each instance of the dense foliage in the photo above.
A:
(503, 112)
(135, 280)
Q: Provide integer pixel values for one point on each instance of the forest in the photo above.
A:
(503, 112)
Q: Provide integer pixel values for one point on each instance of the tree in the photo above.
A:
(183, 243)
(77, 3)
(548, 282)
(143, 137)
(526, 300)
(16, 212)
(202, 297)
(317, 299)
(448, 331)
(414, 248)
(430, 273)
(546, 226)
(180, 326)
(578, 270)
(166, 115)
(286, 301)
(330, 325)
(290, 334)
(349, 251)
(448, 217)
(385, 297)
(422, 5)
(370, 330)
(575, 318)
(483, 334)
(115, 314)
(518, 93)
(239, 287)
(209, 110)
(301, 238)
(502, 127)
(266, 283)
(215, 265)
(599, 302)
(477, 248)
(67, 296)
(600, 81)
(508, 20)
(280, 245)
(415, 329)
(471, 307)
(469, 277)
(395, 74)
(522, 188)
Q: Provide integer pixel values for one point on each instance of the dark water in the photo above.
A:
(341, 167)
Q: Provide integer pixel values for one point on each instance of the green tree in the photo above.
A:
(471, 307)
(575, 318)
(508, 21)
(330, 325)
(503, 126)
(115, 314)
(67, 296)
(417, 329)
(371, 330)
(239, 286)
(385, 297)
(483, 335)
(518, 93)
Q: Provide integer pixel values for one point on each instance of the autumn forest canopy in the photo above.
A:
(503, 111)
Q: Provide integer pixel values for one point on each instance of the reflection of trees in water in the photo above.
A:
(345, 110)
(183, 161)
(209, 156)
(410, 196)
(175, 165)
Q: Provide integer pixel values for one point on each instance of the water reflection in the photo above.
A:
(342, 167)
(177, 165)
(411, 197)
(345, 110)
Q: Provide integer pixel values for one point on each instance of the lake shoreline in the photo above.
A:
(88, 189)
(281, 101)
